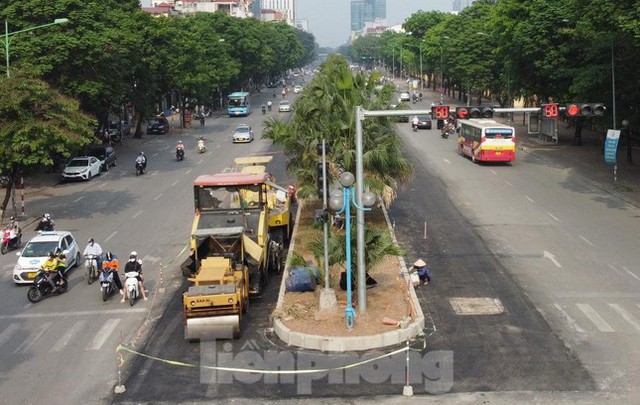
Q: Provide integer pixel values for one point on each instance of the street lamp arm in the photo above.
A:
(57, 21)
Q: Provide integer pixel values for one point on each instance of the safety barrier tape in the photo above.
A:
(261, 371)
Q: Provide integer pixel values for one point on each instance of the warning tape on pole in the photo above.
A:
(261, 371)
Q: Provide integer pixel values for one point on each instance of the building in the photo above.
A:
(367, 13)
(234, 8)
(459, 5)
(284, 7)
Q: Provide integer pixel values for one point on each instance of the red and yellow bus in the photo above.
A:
(486, 140)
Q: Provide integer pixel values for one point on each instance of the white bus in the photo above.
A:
(486, 140)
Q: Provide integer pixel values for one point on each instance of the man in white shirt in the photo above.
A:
(94, 249)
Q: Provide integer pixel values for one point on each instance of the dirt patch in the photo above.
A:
(388, 299)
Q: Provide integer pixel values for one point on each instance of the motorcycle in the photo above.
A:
(107, 283)
(269, 106)
(132, 286)
(139, 168)
(264, 110)
(8, 242)
(179, 154)
(41, 287)
(201, 147)
(91, 268)
(447, 129)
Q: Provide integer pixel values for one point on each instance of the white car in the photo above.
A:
(36, 252)
(243, 133)
(297, 88)
(83, 168)
(285, 106)
(405, 96)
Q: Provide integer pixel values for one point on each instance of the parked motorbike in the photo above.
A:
(179, 154)
(139, 169)
(91, 270)
(9, 243)
(107, 283)
(201, 147)
(41, 287)
(132, 286)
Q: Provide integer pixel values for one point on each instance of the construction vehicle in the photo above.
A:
(232, 253)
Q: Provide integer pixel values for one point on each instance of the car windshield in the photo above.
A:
(78, 163)
(242, 130)
(39, 249)
(284, 103)
(424, 118)
(154, 122)
(97, 153)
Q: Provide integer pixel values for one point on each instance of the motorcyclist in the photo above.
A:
(111, 262)
(201, 143)
(14, 235)
(269, 104)
(414, 122)
(284, 93)
(264, 108)
(51, 267)
(94, 249)
(45, 224)
(142, 160)
(135, 264)
(180, 146)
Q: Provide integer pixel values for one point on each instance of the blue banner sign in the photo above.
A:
(611, 146)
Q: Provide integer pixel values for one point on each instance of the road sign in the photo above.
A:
(611, 146)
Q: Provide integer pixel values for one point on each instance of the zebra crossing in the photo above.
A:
(599, 316)
(55, 333)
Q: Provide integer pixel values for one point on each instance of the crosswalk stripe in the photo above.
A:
(569, 319)
(594, 317)
(6, 334)
(28, 343)
(626, 315)
(75, 313)
(64, 340)
(103, 334)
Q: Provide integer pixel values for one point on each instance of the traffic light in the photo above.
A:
(549, 110)
(440, 112)
(474, 112)
(585, 110)
(319, 180)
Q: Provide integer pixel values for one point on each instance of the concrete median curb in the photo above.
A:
(350, 343)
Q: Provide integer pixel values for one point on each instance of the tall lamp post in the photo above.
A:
(9, 35)
(342, 200)
(442, 70)
(421, 76)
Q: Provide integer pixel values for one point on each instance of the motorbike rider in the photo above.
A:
(51, 267)
(134, 264)
(45, 224)
(269, 104)
(14, 235)
(284, 93)
(264, 108)
(94, 249)
(201, 143)
(142, 159)
(414, 122)
(111, 262)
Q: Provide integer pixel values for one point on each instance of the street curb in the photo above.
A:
(350, 343)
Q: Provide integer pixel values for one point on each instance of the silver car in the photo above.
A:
(82, 168)
(243, 133)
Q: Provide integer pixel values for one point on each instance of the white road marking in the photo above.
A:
(64, 340)
(494, 172)
(188, 171)
(158, 196)
(102, 185)
(551, 257)
(626, 315)
(612, 267)
(553, 216)
(569, 319)
(529, 198)
(78, 199)
(209, 153)
(447, 161)
(103, 334)
(508, 184)
(153, 173)
(594, 317)
(174, 183)
(137, 213)
(74, 313)
(6, 334)
(586, 240)
(27, 344)
(122, 173)
(110, 236)
(200, 161)
(632, 274)
(155, 154)
(218, 146)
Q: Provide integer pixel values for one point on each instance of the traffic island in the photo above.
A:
(393, 314)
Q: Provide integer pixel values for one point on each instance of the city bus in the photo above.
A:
(486, 140)
(238, 104)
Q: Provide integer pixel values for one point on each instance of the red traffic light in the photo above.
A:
(550, 110)
(474, 112)
(585, 109)
(573, 110)
(440, 112)
(462, 113)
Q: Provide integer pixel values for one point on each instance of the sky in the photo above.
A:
(329, 20)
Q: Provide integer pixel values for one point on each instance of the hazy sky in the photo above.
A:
(329, 20)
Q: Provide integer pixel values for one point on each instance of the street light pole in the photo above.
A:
(613, 85)
(8, 35)
(421, 75)
(442, 71)
(393, 62)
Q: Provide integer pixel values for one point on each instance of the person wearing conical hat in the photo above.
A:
(423, 271)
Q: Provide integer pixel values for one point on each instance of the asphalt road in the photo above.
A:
(70, 340)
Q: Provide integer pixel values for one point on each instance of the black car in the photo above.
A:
(106, 154)
(424, 122)
(158, 125)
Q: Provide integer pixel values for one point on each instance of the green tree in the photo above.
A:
(38, 127)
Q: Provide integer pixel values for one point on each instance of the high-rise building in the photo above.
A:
(287, 7)
(367, 11)
(459, 5)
